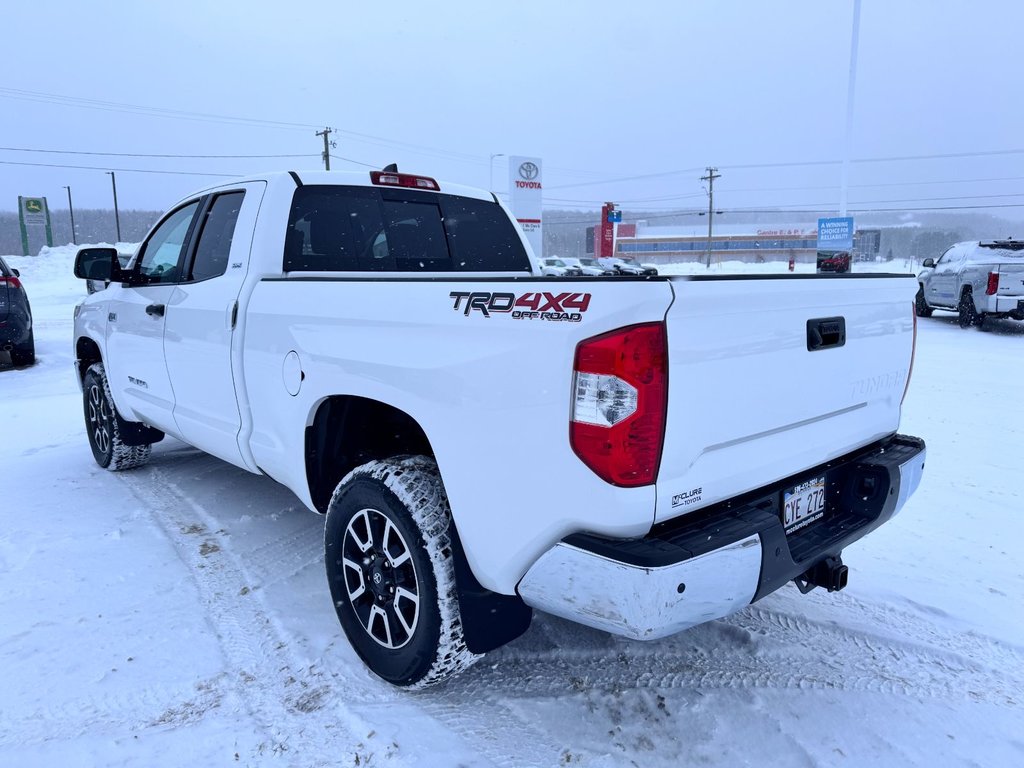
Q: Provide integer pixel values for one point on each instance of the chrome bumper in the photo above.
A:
(643, 603)
(646, 601)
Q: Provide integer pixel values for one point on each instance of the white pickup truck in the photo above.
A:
(639, 455)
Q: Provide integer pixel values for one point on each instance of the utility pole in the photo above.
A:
(326, 132)
(71, 210)
(710, 179)
(117, 216)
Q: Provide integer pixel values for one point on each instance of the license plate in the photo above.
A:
(803, 504)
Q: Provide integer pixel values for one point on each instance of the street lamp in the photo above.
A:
(490, 170)
(117, 217)
(71, 210)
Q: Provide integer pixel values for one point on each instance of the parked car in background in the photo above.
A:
(16, 335)
(627, 266)
(556, 267)
(834, 262)
(589, 267)
(977, 280)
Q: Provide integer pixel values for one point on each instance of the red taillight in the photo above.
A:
(389, 179)
(913, 352)
(993, 283)
(12, 281)
(620, 392)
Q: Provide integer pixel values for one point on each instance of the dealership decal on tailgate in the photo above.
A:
(803, 504)
(566, 307)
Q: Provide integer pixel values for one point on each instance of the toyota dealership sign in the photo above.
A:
(526, 198)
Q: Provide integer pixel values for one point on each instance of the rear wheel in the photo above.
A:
(103, 425)
(25, 354)
(391, 571)
(968, 315)
(920, 305)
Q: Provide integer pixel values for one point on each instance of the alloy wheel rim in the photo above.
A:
(99, 419)
(380, 578)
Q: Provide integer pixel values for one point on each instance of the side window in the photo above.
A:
(217, 229)
(945, 257)
(161, 254)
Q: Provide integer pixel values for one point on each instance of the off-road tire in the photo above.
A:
(967, 314)
(379, 513)
(920, 305)
(102, 425)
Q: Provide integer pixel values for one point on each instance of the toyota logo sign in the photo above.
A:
(529, 171)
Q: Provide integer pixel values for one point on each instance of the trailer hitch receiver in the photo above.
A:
(829, 573)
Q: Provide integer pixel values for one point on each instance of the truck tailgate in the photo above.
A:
(771, 376)
(1011, 279)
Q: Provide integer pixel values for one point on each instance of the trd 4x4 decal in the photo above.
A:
(566, 307)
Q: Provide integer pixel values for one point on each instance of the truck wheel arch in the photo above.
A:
(347, 431)
(87, 352)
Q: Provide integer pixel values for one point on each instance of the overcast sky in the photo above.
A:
(599, 90)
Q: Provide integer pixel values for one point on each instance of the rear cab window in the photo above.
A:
(366, 229)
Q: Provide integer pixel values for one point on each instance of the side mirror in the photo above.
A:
(928, 263)
(15, 272)
(98, 264)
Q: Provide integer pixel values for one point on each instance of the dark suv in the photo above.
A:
(15, 318)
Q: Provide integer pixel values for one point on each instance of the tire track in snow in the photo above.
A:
(298, 708)
(283, 698)
(473, 722)
(756, 648)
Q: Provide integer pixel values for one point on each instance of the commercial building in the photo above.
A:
(749, 243)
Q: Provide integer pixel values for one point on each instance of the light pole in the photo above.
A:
(71, 210)
(490, 170)
(850, 89)
(117, 216)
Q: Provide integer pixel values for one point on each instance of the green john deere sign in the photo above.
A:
(34, 217)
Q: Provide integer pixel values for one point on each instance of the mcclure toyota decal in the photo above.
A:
(563, 307)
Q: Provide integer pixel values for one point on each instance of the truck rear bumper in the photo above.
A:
(1009, 305)
(716, 561)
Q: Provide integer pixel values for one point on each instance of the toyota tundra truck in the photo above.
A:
(386, 347)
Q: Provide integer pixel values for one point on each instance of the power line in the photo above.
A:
(801, 163)
(121, 170)
(880, 184)
(357, 162)
(114, 106)
(146, 154)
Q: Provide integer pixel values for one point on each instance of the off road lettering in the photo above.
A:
(532, 305)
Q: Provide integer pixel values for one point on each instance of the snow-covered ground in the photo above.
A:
(178, 614)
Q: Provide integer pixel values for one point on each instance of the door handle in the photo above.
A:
(156, 310)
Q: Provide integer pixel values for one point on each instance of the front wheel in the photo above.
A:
(968, 315)
(391, 571)
(103, 425)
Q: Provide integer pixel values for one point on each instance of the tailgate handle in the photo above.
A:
(826, 333)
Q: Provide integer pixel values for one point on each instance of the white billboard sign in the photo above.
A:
(526, 198)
